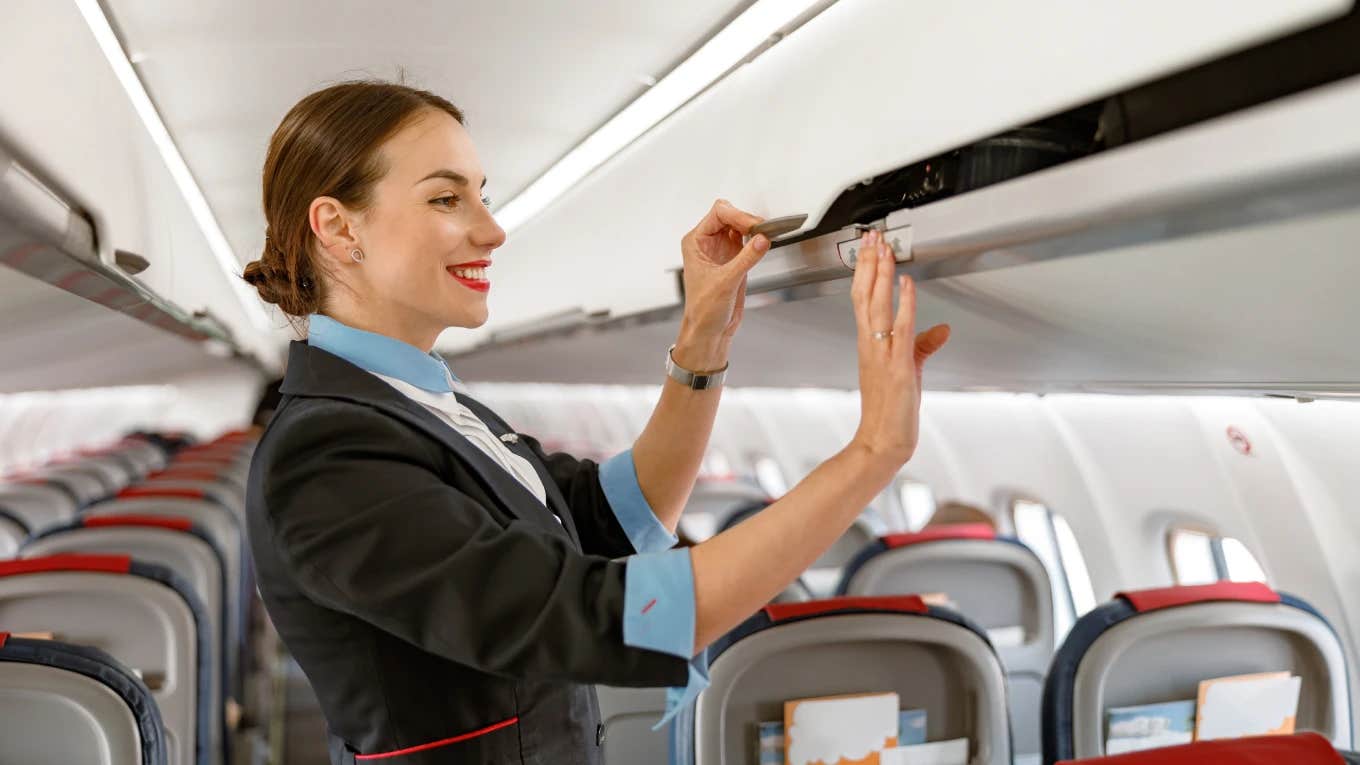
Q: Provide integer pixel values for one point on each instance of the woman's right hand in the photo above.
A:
(891, 355)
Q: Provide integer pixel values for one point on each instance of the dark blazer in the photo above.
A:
(435, 605)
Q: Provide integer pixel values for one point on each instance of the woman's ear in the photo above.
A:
(333, 225)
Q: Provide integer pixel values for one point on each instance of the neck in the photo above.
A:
(387, 323)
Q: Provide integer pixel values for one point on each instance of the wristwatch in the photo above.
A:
(693, 380)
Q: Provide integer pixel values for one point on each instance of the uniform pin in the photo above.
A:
(510, 438)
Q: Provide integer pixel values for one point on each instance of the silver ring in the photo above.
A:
(884, 335)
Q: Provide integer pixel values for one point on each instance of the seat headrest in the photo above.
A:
(110, 564)
(152, 492)
(1297, 749)
(1170, 597)
(907, 604)
(184, 474)
(165, 522)
(941, 532)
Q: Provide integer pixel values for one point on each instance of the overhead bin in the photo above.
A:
(1192, 225)
(48, 238)
(866, 87)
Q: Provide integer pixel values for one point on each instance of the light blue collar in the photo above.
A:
(380, 354)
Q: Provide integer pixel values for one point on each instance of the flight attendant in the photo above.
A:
(451, 590)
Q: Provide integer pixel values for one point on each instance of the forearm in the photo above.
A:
(671, 448)
(745, 567)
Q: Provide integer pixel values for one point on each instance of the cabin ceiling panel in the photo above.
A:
(534, 78)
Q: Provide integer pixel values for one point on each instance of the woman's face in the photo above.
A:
(427, 234)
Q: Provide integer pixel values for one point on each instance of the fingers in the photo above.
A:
(750, 254)
(930, 341)
(866, 266)
(904, 326)
(724, 215)
(881, 294)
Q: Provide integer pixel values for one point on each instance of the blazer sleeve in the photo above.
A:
(596, 521)
(367, 527)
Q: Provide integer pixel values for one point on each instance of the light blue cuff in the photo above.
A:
(679, 698)
(658, 603)
(618, 478)
(658, 614)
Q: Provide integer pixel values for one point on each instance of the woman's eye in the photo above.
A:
(448, 201)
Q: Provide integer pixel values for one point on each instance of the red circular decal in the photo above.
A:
(1239, 440)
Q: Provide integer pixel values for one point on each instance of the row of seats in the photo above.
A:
(1142, 647)
(125, 605)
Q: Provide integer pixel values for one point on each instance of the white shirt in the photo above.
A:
(446, 407)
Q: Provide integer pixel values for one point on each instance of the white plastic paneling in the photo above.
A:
(867, 86)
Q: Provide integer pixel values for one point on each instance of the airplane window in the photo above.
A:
(918, 503)
(1240, 564)
(1192, 557)
(717, 466)
(770, 477)
(1078, 578)
(1051, 538)
(1199, 557)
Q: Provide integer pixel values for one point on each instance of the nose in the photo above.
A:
(487, 232)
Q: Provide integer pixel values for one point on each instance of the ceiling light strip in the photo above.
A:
(710, 62)
(174, 161)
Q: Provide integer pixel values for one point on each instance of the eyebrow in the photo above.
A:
(457, 178)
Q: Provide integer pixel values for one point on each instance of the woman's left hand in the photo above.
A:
(716, 264)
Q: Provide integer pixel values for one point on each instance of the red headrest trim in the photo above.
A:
(908, 604)
(211, 457)
(3, 637)
(182, 474)
(158, 521)
(133, 492)
(1169, 597)
(112, 564)
(943, 531)
(1301, 748)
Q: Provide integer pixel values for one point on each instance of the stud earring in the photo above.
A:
(356, 255)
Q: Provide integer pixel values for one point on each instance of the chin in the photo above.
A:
(468, 319)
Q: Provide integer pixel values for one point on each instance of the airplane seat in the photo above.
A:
(626, 719)
(113, 473)
(13, 532)
(712, 501)
(208, 479)
(86, 485)
(62, 703)
(935, 659)
(147, 455)
(1157, 645)
(997, 582)
(140, 613)
(821, 577)
(1295, 749)
(178, 545)
(121, 458)
(222, 492)
(37, 503)
(226, 535)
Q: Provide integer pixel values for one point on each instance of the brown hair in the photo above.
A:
(960, 512)
(326, 146)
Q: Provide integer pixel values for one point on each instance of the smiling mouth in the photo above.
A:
(471, 275)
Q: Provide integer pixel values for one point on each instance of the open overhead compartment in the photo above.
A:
(54, 275)
(864, 89)
(1064, 205)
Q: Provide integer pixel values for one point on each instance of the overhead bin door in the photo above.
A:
(865, 87)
